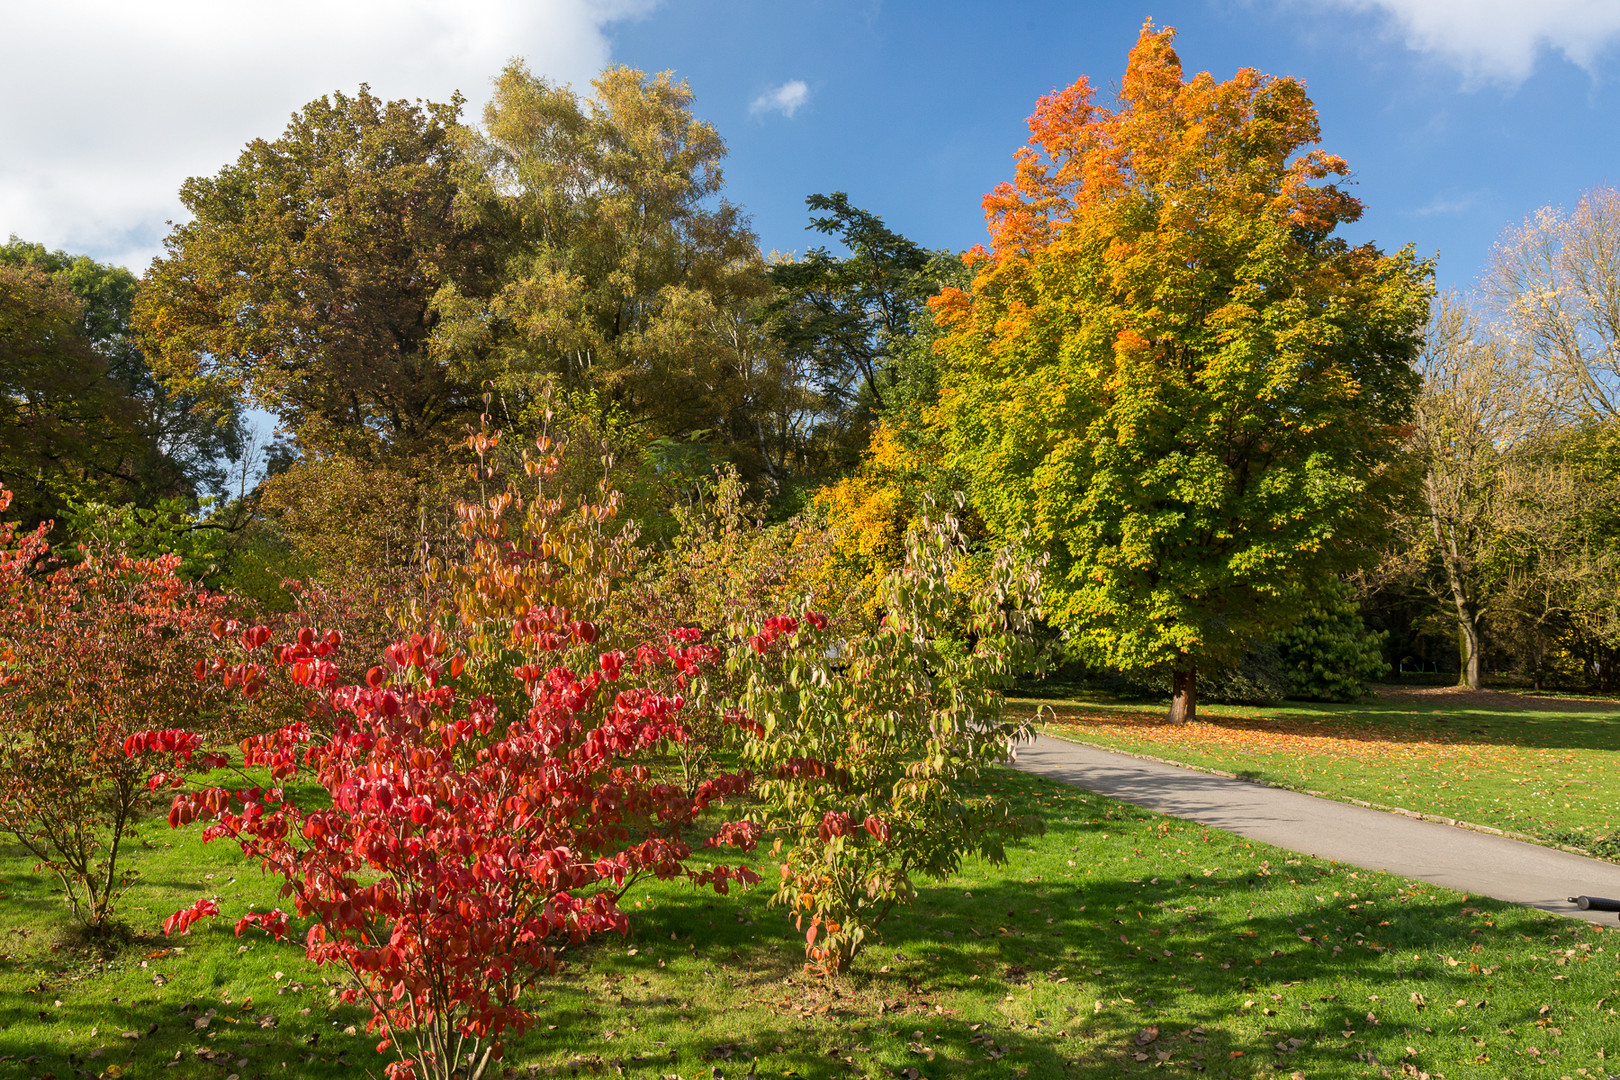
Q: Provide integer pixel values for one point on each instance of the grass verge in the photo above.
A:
(1120, 943)
(1547, 768)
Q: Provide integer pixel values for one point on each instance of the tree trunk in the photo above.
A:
(1468, 643)
(1468, 646)
(1184, 698)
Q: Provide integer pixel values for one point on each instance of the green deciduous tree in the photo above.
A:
(625, 279)
(1171, 370)
(180, 443)
(67, 430)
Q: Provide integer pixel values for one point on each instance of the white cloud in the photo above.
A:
(110, 105)
(1444, 205)
(1500, 40)
(785, 99)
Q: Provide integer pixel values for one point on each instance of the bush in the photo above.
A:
(90, 651)
(1330, 655)
(868, 749)
(490, 804)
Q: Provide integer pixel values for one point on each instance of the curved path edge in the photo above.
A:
(1455, 857)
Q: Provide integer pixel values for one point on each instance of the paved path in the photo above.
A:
(1457, 858)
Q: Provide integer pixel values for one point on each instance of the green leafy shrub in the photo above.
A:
(866, 748)
(1330, 655)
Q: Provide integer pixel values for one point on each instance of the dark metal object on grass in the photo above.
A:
(1595, 903)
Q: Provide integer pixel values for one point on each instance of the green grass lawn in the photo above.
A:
(1120, 943)
(1542, 766)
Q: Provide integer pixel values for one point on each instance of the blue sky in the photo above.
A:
(915, 109)
(1460, 117)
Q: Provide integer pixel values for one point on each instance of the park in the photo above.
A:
(636, 654)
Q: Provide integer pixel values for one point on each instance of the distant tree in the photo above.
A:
(904, 469)
(1476, 409)
(1555, 280)
(1170, 369)
(1555, 587)
(305, 279)
(183, 442)
(849, 313)
(67, 430)
(626, 282)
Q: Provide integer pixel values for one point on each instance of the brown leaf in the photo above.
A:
(1147, 1035)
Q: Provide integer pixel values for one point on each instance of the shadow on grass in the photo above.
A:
(1085, 976)
(1116, 938)
(1590, 727)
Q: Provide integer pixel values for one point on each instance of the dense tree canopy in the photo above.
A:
(305, 278)
(65, 429)
(88, 420)
(1169, 368)
(624, 278)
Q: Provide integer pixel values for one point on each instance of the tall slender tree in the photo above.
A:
(1477, 407)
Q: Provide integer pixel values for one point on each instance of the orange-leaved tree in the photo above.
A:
(1171, 370)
